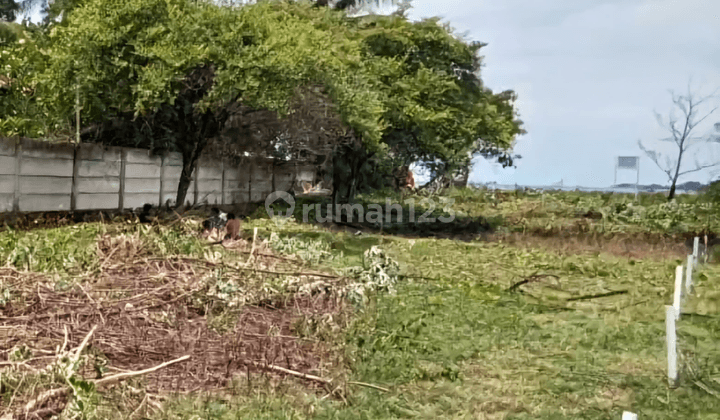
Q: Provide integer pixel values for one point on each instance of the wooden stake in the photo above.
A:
(696, 249)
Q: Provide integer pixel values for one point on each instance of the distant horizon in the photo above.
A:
(619, 188)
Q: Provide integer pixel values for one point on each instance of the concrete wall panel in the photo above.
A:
(232, 173)
(133, 201)
(214, 185)
(6, 202)
(7, 165)
(45, 202)
(210, 172)
(90, 168)
(97, 201)
(135, 170)
(98, 152)
(7, 184)
(142, 185)
(7, 147)
(142, 156)
(173, 159)
(45, 185)
(98, 185)
(46, 167)
(47, 150)
(210, 198)
(172, 173)
(235, 197)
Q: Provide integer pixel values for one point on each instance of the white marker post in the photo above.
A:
(688, 275)
(678, 290)
(629, 416)
(671, 346)
(696, 246)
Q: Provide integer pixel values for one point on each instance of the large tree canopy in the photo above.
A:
(437, 109)
(185, 63)
(179, 70)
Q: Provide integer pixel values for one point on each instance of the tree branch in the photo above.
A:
(654, 157)
(703, 118)
(699, 168)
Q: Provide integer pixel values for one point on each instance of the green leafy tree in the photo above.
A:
(181, 66)
(8, 10)
(171, 75)
(21, 59)
(438, 111)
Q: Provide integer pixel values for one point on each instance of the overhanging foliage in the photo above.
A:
(408, 91)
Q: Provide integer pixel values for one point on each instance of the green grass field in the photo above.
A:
(458, 336)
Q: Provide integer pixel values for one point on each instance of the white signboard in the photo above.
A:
(628, 162)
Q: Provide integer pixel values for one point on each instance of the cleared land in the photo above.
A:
(553, 313)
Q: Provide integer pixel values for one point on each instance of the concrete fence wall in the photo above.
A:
(42, 176)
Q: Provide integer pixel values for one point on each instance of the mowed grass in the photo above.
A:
(459, 345)
(455, 342)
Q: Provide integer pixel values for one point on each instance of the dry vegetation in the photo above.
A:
(227, 316)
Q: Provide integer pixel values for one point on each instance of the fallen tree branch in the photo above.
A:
(531, 279)
(292, 372)
(139, 407)
(279, 273)
(586, 297)
(61, 392)
(51, 393)
(114, 378)
(287, 273)
(79, 350)
(379, 388)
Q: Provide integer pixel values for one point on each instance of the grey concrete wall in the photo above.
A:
(97, 177)
(237, 184)
(210, 181)
(7, 174)
(42, 176)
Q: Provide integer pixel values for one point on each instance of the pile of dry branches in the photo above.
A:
(143, 316)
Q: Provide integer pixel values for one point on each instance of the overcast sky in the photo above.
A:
(589, 75)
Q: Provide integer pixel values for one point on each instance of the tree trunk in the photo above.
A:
(185, 180)
(464, 175)
(671, 195)
(353, 182)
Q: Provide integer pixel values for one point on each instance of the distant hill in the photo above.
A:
(686, 186)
